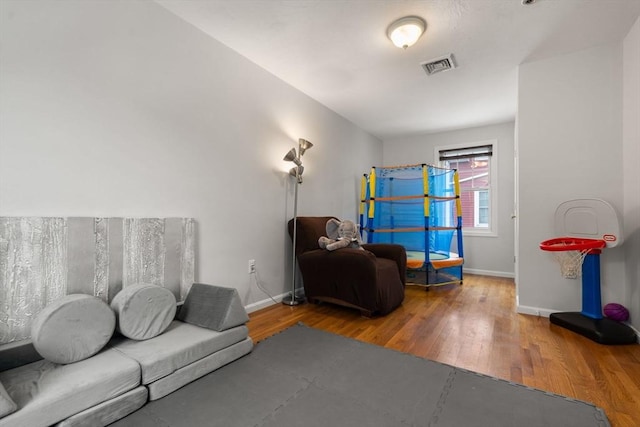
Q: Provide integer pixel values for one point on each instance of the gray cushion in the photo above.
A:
(199, 368)
(47, 393)
(213, 307)
(72, 328)
(110, 411)
(180, 345)
(143, 310)
(7, 405)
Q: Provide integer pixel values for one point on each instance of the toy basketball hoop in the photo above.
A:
(570, 253)
(590, 225)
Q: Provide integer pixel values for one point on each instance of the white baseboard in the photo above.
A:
(534, 311)
(489, 273)
(265, 303)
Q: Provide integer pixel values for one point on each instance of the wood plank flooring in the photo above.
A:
(475, 326)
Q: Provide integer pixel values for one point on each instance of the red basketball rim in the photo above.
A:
(571, 244)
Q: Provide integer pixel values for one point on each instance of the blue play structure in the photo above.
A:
(417, 206)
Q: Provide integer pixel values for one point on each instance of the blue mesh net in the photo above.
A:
(400, 215)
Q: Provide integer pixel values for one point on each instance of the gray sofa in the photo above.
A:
(208, 332)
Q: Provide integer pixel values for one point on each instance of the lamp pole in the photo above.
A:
(293, 300)
(292, 156)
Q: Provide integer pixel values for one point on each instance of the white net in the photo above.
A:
(571, 262)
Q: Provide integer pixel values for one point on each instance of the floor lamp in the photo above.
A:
(296, 172)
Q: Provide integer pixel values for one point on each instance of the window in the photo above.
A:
(481, 209)
(475, 164)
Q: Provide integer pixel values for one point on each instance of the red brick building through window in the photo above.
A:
(474, 173)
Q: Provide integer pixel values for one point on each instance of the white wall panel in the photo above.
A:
(43, 259)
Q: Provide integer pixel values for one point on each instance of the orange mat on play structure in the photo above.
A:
(415, 260)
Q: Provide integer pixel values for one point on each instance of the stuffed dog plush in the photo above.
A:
(341, 234)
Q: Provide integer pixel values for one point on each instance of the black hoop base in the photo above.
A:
(603, 331)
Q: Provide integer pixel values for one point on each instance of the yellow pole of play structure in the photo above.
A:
(372, 193)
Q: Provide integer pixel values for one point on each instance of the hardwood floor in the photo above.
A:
(475, 326)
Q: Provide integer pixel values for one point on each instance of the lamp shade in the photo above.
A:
(291, 157)
(406, 31)
(303, 145)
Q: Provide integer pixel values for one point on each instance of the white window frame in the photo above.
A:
(476, 209)
(492, 230)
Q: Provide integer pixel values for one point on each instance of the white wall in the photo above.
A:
(482, 255)
(123, 109)
(631, 170)
(570, 146)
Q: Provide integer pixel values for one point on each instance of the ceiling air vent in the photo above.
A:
(437, 65)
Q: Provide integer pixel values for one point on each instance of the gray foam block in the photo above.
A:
(213, 307)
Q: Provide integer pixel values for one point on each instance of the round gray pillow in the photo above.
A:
(143, 311)
(72, 328)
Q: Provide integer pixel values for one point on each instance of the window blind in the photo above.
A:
(466, 153)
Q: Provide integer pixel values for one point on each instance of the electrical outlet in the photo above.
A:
(251, 267)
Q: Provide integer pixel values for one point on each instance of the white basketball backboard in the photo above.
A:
(589, 219)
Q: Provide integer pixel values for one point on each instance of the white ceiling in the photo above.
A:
(337, 52)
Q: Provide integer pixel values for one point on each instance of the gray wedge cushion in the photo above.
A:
(72, 328)
(143, 310)
(213, 307)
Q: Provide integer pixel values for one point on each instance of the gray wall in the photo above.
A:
(631, 170)
(570, 146)
(491, 255)
(123, 109)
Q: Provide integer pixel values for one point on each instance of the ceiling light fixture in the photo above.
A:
(406, 31)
